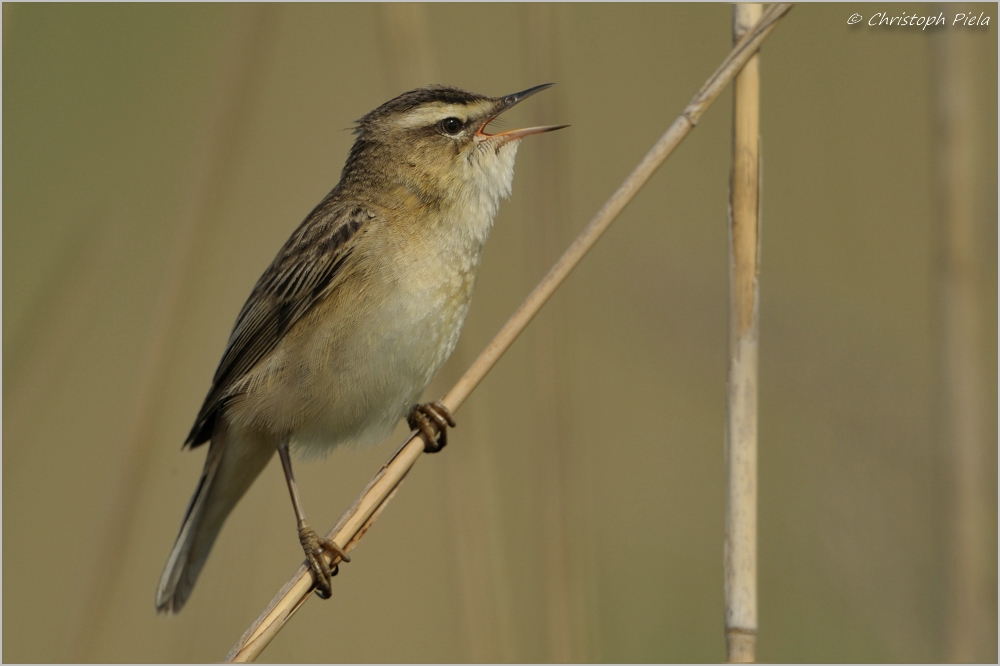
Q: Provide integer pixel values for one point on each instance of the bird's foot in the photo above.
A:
(425, 417)
(313, 545)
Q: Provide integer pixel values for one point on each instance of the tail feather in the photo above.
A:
(236, 457)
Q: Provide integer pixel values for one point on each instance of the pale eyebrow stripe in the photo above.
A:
(428, 115)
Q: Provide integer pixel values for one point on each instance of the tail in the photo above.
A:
(236, 457)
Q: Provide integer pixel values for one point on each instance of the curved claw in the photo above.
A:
(313, 546)
(421, 418)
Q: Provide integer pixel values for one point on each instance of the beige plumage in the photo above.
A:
(358, 311)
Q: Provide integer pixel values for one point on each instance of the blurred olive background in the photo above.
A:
(155, 158)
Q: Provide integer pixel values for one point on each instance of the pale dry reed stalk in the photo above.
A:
(740, 559)
(962, 404)
(358, 519)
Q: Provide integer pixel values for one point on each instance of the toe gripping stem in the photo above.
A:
(432, 420)
(313, 545)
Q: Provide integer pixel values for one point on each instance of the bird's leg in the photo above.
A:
(421, 419)
(312, 544)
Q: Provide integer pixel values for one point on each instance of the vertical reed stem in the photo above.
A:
(741, 393)
(967, 635)
(236, 80)
(541, 48)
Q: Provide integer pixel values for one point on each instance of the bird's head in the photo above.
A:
(435, 143)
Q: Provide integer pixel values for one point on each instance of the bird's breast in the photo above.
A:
(359, 360)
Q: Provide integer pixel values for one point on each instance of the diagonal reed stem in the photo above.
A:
(356, 521)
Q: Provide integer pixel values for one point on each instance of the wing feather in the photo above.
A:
(303, 273)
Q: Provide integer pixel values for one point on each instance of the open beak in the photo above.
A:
(509, 101)
(511, 135)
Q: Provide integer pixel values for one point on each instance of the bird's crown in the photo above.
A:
(432, 96)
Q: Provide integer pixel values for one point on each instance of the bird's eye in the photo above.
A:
(451, 125)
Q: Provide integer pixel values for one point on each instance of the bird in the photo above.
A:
(355, 315)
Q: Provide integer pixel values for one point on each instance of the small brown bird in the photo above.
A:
(356, 314)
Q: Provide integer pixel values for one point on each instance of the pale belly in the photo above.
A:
(355, 365)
